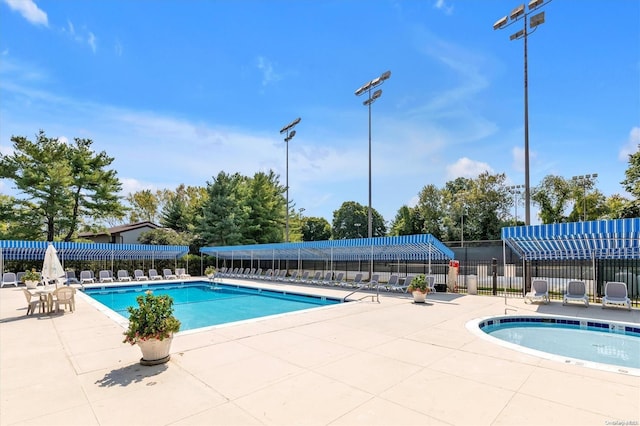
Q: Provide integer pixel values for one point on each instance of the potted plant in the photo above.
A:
(31, 278)
(419, 288)
(210, 271)
(151, 326)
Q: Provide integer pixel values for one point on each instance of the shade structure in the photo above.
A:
(34, 250)
(418, 247)
(52, 269)
(599, 239)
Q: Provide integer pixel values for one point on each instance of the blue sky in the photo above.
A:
(177, 91)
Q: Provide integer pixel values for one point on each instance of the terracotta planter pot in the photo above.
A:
(155, 351)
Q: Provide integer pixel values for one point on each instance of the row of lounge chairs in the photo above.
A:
(106, 276)
(328, 279)
(615, 293)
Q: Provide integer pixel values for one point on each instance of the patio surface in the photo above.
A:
(364, 363)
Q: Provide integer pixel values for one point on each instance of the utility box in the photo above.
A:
(472, 284)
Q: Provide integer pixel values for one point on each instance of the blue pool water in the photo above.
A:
(203, 304)
(589, 340)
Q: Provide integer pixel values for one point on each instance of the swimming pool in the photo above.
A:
(202, 304)
(601, 344)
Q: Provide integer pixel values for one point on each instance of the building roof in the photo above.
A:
(599, 239)
(407, 247)
(34, 250)
(121, 228)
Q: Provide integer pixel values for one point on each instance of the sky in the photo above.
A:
(177, 91)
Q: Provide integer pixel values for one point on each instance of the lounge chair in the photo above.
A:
(374, 281)
(576, 292)
(33, 301)
(9, 278)
(258, 274)
(105, 276)
(86, 277)
(153, 275)
(139, 275)
(267, 275)
(431, 283)
(294, 276)
(182, 273)
(328, 278)
(123, 275)
(357, 281)
(316, 278)
(282, 275)
(71, 278)
(304, 277)
(64, 296)
(392, 283)
(168, 275)
(615, 294)
(539, 292)
(338, 281)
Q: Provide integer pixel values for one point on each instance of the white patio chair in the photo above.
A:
(615, 294)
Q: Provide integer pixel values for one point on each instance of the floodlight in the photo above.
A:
(515, 13)
(290, 125)
(535, 3)
(500, 23)
(385, 75)
(376, 94)
(516, 35)
(536, 20)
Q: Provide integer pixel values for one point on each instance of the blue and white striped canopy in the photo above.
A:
(407, 247)
(599, 239)
(34, 250)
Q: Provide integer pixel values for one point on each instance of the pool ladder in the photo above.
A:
(374, 297)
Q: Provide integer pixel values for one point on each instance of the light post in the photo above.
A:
(357, 225)
(366, 88)
(288, 137)
(515, 190)
(516, 15)
(584, 180)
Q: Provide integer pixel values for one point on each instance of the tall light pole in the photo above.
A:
(515, 190)
(366, 88)
(584, 180)
(288, 137)
(520, 14)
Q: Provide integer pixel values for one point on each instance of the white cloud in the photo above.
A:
(92, 41)
(467, 168)
(444, 6)
(268, 73)
(29, 11)
(631, 146)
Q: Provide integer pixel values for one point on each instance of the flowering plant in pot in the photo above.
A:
(210, 271)
(151, 326)
(31, 278)
(419, 288)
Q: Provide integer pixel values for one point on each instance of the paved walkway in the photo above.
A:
(365, 363)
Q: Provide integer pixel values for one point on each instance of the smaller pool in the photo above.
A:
(593, 343)
(200, 304)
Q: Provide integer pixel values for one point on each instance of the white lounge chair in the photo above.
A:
(304, 277)
(576, 292)
(357, 281)
(71, 278)
(139, 275)
(9, 278)
(86, 277)
(327, 278)
(392, 283)
(431, 283)
(316, 278)
(539, 292)
(267, 275)
(615, 294)
(153, 275)
(105, 276)
(123, 275)
(374, 281)
(293, 277)
(168, 275)
(338, 281)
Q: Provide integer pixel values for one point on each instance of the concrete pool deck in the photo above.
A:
(364, 363)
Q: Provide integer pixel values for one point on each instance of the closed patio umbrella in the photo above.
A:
(51, 267)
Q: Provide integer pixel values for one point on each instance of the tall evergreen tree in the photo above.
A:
(222, 215)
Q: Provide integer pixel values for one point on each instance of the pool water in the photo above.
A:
(588, 340)
(203, 304)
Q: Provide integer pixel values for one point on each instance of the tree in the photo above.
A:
(222, 215)
(405, 222)
(315, 229)
(62, 185)
(631, 184)
(165, 237)
(144, 206)
(350, 221)
(430, 211)
(552, 196)
(265, 209)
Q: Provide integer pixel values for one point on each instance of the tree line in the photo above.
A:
(66, 188)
